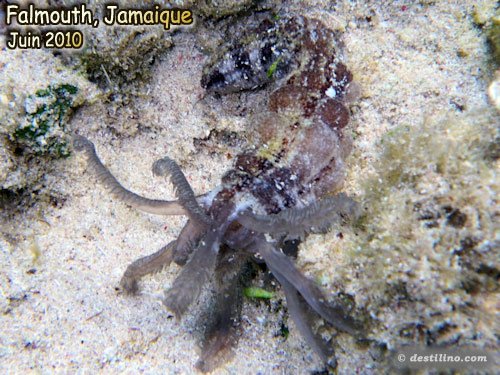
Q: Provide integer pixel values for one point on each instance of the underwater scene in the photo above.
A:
(249, 187)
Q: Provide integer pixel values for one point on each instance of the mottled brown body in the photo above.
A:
(299, 145)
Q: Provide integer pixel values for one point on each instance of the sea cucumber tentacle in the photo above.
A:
(283, 268)
(167, 166)
(195, 274)
(299, 311)
(223, 323)
(221, 337)
(152, 206)
(186, 242)
(143, 266)
(296, 222)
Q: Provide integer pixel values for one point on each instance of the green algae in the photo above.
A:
(43, 129)
(273, 67)
(253, 292)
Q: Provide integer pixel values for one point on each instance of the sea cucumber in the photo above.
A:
(279, 186)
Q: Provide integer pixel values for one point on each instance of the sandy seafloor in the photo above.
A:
(69, 317)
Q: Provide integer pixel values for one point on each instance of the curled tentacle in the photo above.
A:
(187, 241)
(283, 268)
(184, 192)
(195, 274)
(146, 265)
(152, 206)
(178, 251)
(296, 222)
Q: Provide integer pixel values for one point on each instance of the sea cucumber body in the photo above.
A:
(298, 144)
